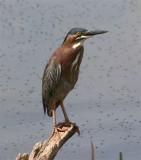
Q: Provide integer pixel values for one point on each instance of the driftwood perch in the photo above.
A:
(48, 149)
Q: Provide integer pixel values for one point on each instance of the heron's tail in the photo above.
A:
(47, 109)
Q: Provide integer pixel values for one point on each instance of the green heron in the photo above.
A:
(61, 72)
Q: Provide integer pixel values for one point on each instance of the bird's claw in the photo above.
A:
(64, 124)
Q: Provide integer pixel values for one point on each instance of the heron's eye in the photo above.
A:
(78, 33)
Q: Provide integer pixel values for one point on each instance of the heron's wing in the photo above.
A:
(50, 80)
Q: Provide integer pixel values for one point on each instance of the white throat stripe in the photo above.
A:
(76, 45)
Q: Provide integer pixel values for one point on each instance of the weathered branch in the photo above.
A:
(48, 149)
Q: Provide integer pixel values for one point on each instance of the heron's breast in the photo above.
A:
(70, 67)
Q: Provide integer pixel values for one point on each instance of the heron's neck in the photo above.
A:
(77, 44)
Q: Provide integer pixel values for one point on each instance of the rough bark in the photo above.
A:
(47, 150)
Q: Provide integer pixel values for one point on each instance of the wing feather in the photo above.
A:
(50, 80)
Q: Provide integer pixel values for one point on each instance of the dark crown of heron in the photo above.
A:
(79, 32)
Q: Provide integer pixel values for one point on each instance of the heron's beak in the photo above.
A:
(92, 33)
(87, 34)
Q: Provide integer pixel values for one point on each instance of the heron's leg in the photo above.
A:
(55, 128)
(65, 113)
(67, 121)
(54, 115)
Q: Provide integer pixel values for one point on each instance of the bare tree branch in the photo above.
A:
(48, 149)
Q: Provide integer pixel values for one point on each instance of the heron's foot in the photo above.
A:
(65, 124)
